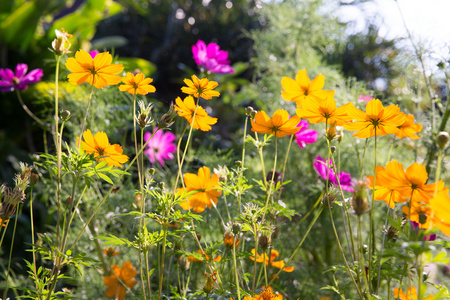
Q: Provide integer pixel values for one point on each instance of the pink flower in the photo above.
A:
(305, 135)
(344, 178)
(10, 81)
(211, 58)
(364, 98)
(160, 147)
(93, 53)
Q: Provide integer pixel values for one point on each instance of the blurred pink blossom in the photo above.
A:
(305, 135)
(344, 178)
(364, 98)
(160, 147)
(93, 53)
(211, 58)
(18, 80)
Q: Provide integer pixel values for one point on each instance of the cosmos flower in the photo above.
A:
(304, 135)
(302, 88)
(383, 188)
(409, 129)
(122, 277)
(186, 108)
(101, 148)
(411, 294)
(200, 88)
(97, 71)
(205, 184)
(273, 255)
(324, 111)
(160, 147)
(364, 98)
(137, 84)
(344, 178)
(211, 58)
(18, 80)
(279, 125)
(379, 119)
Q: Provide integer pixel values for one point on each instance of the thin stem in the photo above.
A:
(5, 293)
(384, 239)
(161, 275)
(256, 253)
(262, 161)
(390, 149)
(361, 255)
(372, 245)
(235, 268)
(4, 231)
(271, 183)
(147, 268)
(86, 115)
(33, 242)
(264, 266)
(28, 111)
(284, 165)
(363, 159)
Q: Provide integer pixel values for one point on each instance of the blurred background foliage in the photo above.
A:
(266, 40)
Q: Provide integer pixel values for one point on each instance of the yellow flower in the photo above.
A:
(205, 184)
(102, 149)
(441, 211)
(279, 125)
(273, 255)
(383, 190)
(137, 84)
(302, 88)
(200, 88)
(98, 71)
(324, 111)
(186, 109)
(376, 118)
(122, 277)
(408, 128)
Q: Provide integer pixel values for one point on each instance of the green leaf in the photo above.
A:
(105, 178)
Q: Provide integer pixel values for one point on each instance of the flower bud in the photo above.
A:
(161, 185)
(238, 163)
(151, 171)
(167, 119)
(7, 210)
(61, 44)
(34, 178)
(265, 241)
(68, 201)
(65, 115)
(144, 119)
(392, 233)
(209, 285)
(442, 139)
(199, 236)
(229, 239)
(183, 263)
(236, 228)
(331, 132)
(359, 201)
(333, 149)
(250, 112)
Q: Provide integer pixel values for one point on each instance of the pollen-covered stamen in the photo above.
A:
(15, 80)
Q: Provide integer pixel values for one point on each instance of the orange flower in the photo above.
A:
(102, 149)
(413, 180)
(111, 251)
(206, 257)
(411, 294)
(376, 118)
(186, 109)
(419, 213)
(324, 111)
(98, 71)
(441, 211)
(279, 125)
(408, 128)
(229, 239)
(200, 88)
(383, 189)
(266, 294)
(120, 278)
(206, 185)
(273, 255)
(3, 222)
(302, 88)
(137, 84)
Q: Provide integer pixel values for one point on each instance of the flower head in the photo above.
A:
(205, 184)
(273, 255)
(279, 125)
(161, 146)
(383, 189)
(203, 258)
(122, 278)
(186, 108)
(377, 119)
(200, 88)
(101, 148)
(324, 111)
(408, 128)
(364, 98)
(137, 84)
(411, 294)
(211, 58)
(96, 71)
(111, 251)
(304, 135)
(61, 44)
(18, 80)
(441, 211)
(320, 165)
(302, 88)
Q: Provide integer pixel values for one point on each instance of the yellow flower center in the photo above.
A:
(267, 295)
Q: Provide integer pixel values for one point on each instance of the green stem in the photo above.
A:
(284, 165)
(4, 231)
(235, 268)
(361, 253)
(256, 253)
(382, 245)
(161, 275)
(271, 183)
(5, 293)
(28, 111)
(372, 245)
(265, 269)
(33, 242)
(363, 159)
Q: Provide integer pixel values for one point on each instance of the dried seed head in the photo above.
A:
(167, 119)
(144, 119)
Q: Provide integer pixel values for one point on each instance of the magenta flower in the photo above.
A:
(211, 58)
(344, 178)
(10, 81)
(305, 135)
(364, 98)
(93, 53)
(160, 147)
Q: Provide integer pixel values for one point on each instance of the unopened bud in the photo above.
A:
(65, 115)
(199, 236)
(331, 132)
(236, 228)
(333, 149)
(183, 263)
(359, 201)
(34, 178)
(167, 119)
(229, 239)
(392, 233)
(238, 163)
(209, 285)
(68, 201)
(151, 171)
(442, 139)
(422, 218)
(7, 210)
(161, 185)
(265, 241)
(249, 111)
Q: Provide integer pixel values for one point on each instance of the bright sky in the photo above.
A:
(427, 20)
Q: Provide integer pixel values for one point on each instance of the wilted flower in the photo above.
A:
(144, 119)
(161, 146)
(61, 44)
(18, 80)
(211, 58)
